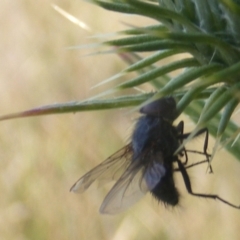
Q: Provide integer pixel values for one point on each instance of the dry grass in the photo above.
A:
(42, 157)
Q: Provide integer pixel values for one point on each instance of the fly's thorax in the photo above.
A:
(155, 134)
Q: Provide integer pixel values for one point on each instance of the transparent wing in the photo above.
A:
(111, 169)
(135, 182)
(130, 188)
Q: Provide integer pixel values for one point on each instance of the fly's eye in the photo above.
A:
(164, 107)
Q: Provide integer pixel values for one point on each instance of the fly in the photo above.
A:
(146, 164)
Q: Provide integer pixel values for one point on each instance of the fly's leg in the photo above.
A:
(205, 145)
(183, 152)
(202, 195)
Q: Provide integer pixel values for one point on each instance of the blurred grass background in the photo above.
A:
(42, 157)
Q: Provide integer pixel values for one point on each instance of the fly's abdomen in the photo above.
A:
(165, 191)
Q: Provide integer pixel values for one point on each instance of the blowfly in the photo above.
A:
(146, 164)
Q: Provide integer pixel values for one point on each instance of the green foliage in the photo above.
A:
(206, 30)
(207, 88)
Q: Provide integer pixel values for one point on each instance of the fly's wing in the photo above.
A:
(112, 168)
(135, 182)
(130, 188)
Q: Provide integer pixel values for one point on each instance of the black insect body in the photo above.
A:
(146, 164)
(154, 141)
